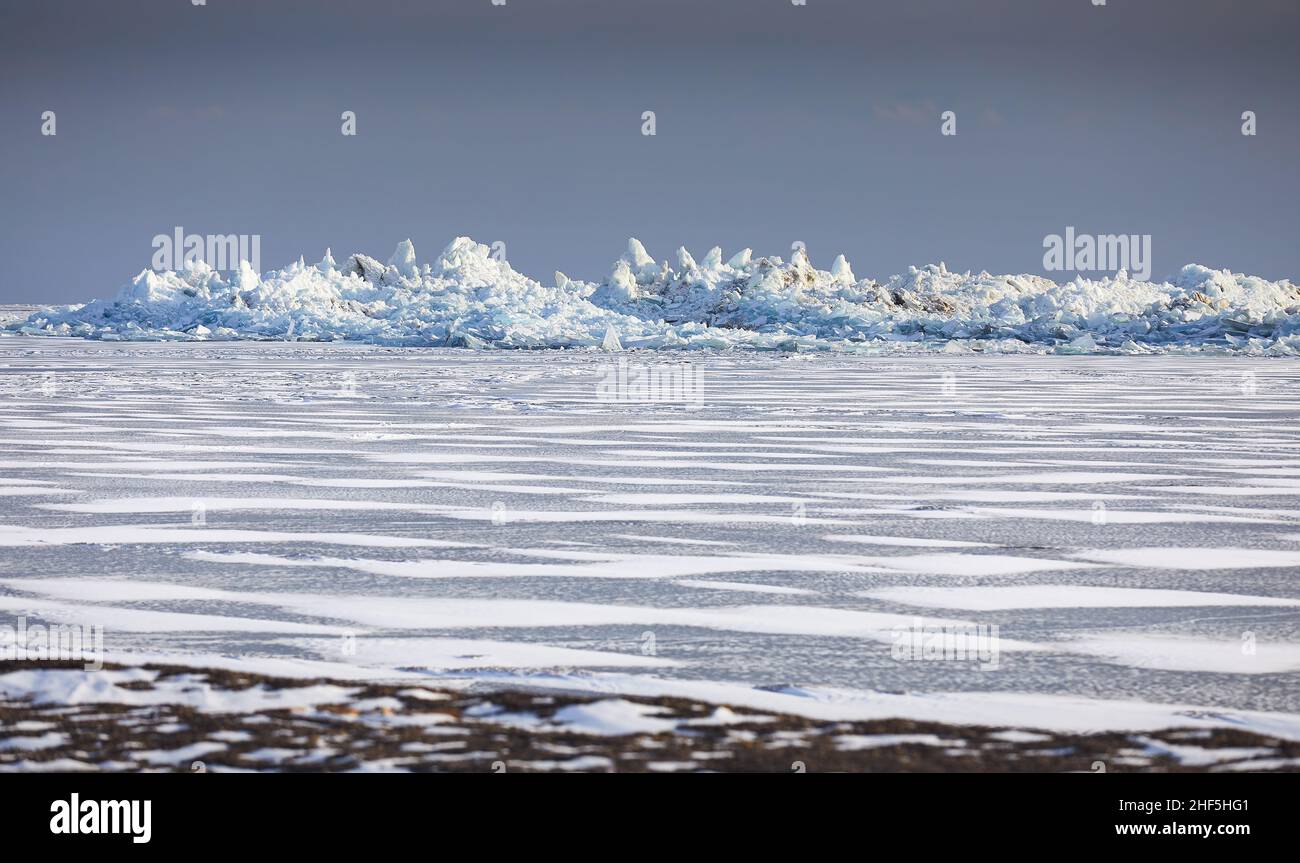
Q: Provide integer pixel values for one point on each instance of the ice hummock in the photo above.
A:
(468, 297)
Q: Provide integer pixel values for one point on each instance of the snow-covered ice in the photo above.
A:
(469, 297)
(480, 518)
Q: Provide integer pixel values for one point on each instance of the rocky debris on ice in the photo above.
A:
(469, 298)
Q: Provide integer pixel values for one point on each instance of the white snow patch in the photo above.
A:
(613, 717)
(1063, 596)
(1185, 653)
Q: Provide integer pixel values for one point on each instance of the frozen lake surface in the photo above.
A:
(1131, 525)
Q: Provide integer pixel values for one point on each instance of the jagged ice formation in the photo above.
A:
(468, 298)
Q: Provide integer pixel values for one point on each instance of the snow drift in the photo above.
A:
(469, 298)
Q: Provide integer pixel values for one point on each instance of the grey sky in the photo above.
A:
(522, 123)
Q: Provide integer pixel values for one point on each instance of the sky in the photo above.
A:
(522, 123)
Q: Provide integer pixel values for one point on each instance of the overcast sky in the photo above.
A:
(522, 123)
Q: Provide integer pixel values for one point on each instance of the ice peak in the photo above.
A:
(248, 277)
(741, 259)
(713, 260)
(611, 341)
(463, 250)
(636, 255)
(403, 259)
(622, 282)
(684, 259)
(472, 262)
(841, 271)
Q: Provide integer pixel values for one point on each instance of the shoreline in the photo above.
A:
(182, 719)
